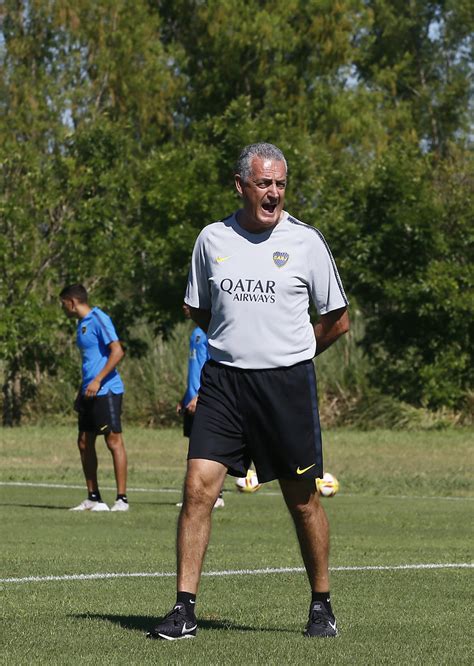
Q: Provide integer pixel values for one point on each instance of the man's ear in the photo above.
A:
(239, 184)
(74, 303)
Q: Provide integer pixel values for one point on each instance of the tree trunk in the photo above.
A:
(12, 397)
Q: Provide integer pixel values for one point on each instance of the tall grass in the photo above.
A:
(346, 397)
(155, 382)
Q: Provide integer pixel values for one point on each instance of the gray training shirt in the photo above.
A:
(258, 288)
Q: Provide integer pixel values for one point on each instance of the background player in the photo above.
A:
(198, 355)
(99, 400)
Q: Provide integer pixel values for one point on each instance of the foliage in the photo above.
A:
(155, 381)
(410, 267)
(71, 123)
(419, 54)
(119, 126)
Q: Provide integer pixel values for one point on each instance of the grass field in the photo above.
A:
(83, 588)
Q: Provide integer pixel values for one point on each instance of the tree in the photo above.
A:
(119, 124)
(83, 91)
(419, 54)
(411, 269)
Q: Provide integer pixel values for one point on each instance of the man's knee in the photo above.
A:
(203, 482)
(114, 441)
(85, 441)
(301, 499)
(197, 494)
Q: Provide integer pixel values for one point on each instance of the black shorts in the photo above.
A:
(188, 420)
(269, 417)
(100, 414)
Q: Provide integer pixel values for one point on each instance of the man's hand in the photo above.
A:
(116, 353)
(192, 404)
(179, 407)
(93, 389)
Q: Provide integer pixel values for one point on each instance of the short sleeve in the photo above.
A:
(197, 291)
(325, 284)
(202, 349)
(105, 328)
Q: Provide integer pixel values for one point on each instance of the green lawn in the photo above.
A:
(405, 500)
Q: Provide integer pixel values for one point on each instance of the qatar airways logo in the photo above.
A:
(249, 290)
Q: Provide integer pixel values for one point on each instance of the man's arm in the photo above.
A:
(330, 327)
(201, 317)
(115, 356)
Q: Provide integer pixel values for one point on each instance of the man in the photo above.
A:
(99, 400)
(251, 280)
(198, 355)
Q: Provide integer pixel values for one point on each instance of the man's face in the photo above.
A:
(186, 311)
(68, 307)
(263, 194)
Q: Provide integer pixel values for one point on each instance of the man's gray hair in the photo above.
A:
(266, 151)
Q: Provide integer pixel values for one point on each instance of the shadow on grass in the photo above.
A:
(145, 623)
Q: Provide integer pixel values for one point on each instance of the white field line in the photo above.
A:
(265, 493)
(234, 572)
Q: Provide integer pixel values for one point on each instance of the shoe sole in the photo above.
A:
(306, 635)
(163, 637)
(178, 638)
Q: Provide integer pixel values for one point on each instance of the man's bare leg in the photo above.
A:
(86, 444)
(116, 447)
(204, 479)
(203, 482)
(312, 529)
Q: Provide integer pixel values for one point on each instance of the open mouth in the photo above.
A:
(269, 208)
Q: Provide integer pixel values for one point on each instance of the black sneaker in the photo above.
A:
(320, 623)
(174, 626)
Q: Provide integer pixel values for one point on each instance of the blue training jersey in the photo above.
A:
(94, 334)
(198, 355)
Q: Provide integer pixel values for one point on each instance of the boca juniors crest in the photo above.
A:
(83, 329)
(280, 258)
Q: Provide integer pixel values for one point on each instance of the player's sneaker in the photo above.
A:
(100, 506)
(90, 505)
(320, 623)
(174, 626)
(120, 505)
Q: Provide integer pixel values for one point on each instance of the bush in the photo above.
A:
(155, 381)
(409, 268)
